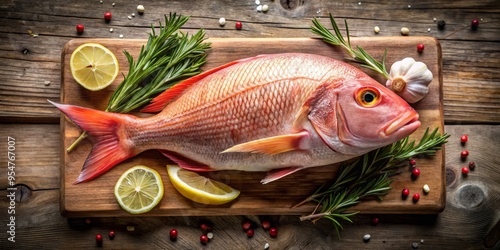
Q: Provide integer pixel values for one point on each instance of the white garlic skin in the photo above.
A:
(415, 77)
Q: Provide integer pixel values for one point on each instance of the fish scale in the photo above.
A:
(282, 112)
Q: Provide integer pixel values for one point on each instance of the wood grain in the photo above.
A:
(40, 225)
(273, 198)
(471, 57)
(471, 78)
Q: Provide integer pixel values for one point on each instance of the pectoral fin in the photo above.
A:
(274, 145)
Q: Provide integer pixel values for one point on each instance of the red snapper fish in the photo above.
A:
(279, 113)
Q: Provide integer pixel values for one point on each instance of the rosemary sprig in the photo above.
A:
(168, 57)
(358, 55)
(367, 176)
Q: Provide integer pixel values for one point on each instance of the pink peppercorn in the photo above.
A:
(420, 48)
(416, 197)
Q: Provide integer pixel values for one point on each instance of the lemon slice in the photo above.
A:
(139, 189)
(199, 188)
(93, 66)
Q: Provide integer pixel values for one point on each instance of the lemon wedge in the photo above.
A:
(199, 188)
(139, 189)
(93, 66)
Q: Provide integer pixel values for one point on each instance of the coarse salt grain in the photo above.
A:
(428, 29)
(222, 21)
(259, 8)
(140, 8)
(121, 36)
(111, 30)
(210, 235)
(47, 83)
(113, 4)
(266, 246)
(426, 188)
(133, 14)
(405, 31)
(257, 2)
(129, 17)
(366, 237)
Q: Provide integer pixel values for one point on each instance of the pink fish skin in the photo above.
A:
(278, 113)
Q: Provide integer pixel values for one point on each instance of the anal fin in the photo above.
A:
(279, 173)
(274, 145)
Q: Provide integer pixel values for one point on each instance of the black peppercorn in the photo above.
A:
(441, 24)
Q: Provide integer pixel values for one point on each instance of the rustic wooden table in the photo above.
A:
(32, 35)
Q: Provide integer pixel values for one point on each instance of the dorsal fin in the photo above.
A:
(159, 102)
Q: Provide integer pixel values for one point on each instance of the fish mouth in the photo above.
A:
(407, 122)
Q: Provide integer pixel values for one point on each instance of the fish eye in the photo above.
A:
(368, 97)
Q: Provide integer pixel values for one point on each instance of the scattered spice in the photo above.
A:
(474, 24)
(416, 197)
(464, 154)
(426, 189)
(111, 234)
(107, 16)
(412, 162)
(238, 25)
(472, 165)
(367, 237)
(405, 31)
(173, 234)
(434, 19)
(222, 21)
(246, 225)
(257, 2)
(265, 8)
(98, 239)
(250, 233)
(140, 9)
(375, 221)
(129, 17)
(46, 83)
(428, 29)
(405, 193)
(30, 32)
(266, 224)
(441, 24)
(465, 171)
(266, 246)
(415, 172)
(414, 245)
(409, 6)
(111, 30)
(133, 14)
(273, 232)
(113, 4)
(259, 8)
(120, 36)
(203, 226)
(210, 235)
(420, 47)
(204, 239)
(130, 228)
(376, 29)
(464, 139)
(80, 28)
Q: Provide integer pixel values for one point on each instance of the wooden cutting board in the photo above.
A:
(96, 198)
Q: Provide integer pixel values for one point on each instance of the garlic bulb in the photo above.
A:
(409, 79)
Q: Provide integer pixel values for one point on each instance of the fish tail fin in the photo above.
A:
(110, 147)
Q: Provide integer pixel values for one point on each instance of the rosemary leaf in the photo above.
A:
(168, 57)
(368, 176)
(358, 55)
